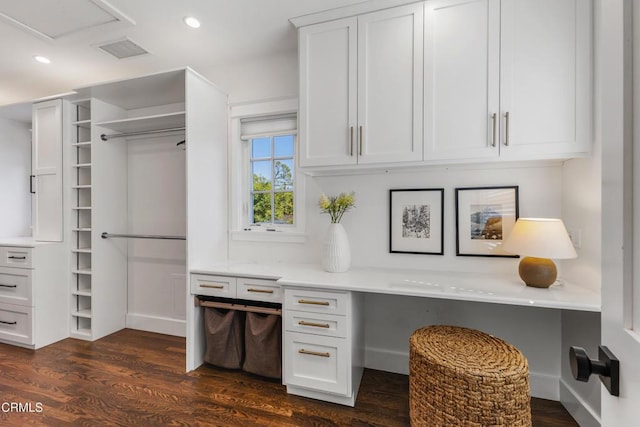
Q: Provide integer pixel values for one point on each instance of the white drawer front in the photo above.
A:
(217, 286)
(15, 286)
(258, 290)
(16, 323)
(317, 363)
(315, 323)
(17, 257)
(329, 302)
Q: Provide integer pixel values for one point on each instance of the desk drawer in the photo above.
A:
(217, 286)
(16, 257)
(15, 286)
(329, 302)
(317, 363)
(16, 323)
(315, 323)
(258, 290)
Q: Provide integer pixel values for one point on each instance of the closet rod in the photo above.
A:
(105, 137)
(142, 236)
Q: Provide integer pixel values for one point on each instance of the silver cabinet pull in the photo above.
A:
(8, 286)
(506, 128)
(306, 301)
(351, 141)
(212, 286)
(494, 119)
(313, 353)
(14, 323)
(262, 291)
(315, 325)
(360, 142)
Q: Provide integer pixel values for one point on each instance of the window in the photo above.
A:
(272, 180)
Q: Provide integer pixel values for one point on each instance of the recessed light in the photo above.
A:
(42, 59)
(191, 21)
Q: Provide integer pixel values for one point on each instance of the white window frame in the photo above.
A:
(240, 178)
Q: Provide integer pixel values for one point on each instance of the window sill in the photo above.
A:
(268, 236)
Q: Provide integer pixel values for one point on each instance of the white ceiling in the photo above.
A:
(231, 31)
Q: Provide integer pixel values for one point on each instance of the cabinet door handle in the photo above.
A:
(8, 286)
(31, 184)
(306, 301)
(13, 323)
(315, 325)
(506, 128)
(17, 257)
(494, 119)
(360, 142)
(212, 286)
(313, 353)
(262, 291)
(351, 141)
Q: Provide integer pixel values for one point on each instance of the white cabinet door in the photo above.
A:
(328, 93)
(390, 80)
(546, 77)
(461, 74)
(46, 166)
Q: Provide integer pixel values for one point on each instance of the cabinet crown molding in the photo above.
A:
(346, 11)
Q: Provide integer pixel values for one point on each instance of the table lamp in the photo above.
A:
(538, 240)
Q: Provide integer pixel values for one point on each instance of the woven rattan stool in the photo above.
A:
(464, 377)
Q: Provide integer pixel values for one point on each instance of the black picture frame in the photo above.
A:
(416, 221)
(484, 217)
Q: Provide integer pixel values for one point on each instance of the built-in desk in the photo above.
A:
(323, 331)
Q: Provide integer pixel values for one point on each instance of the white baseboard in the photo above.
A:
(582, 412)
(161, 325)
(543, 386)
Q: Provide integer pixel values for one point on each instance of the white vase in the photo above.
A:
(336, 253)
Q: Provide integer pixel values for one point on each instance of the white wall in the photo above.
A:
(15, 166)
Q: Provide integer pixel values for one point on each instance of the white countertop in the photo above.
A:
(477, 287)
(22, 242)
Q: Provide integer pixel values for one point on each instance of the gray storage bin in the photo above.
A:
(263, 345)
(224, 332)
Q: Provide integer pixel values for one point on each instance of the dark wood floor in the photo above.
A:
(134, 378)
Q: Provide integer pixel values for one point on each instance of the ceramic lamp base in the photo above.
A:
(537, 272)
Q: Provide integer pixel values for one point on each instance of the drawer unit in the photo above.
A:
(317, 362)
(16, 286)
(315, 323)
(258, 290)
(16, 323)
(329, 302)
(217, 286)
(16, 257)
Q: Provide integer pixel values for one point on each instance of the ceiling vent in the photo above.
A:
(122, 49)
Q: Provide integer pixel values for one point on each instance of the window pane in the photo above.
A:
(261, 208)
(283, 146)
(283, 174)
(261, 172)
(284, 208)
(261, 148)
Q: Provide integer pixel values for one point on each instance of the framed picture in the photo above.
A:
(416, 221)
(484, 217)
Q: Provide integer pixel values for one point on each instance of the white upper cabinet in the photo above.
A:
(46, 166)
(462, 66)
(508, 79)
(361, 89)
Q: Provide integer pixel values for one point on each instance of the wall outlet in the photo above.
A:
(575, 234)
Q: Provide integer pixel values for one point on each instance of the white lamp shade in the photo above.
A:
(540, 238)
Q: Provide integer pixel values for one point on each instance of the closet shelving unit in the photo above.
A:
(81, 251)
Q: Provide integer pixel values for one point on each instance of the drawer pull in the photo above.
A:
(8, 286)
(212, 286)
(315, 325)
(8, 323)
(313, 353)
(17, 257)
(306, 301)
(262, 291)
